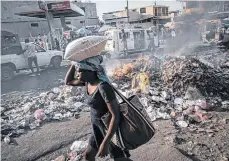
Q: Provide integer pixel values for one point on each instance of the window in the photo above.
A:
(155, 13)
(34, 25)
(113, 23)
(68, 22)
(39, 49)
(127, 35)
(11, 50)
(142, 10)
(166, 11)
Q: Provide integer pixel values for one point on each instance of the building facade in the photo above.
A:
(144, 15)
(31, 26)
(208, 6)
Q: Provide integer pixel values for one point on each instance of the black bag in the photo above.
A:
(135, 128)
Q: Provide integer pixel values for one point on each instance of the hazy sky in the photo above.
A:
(114, 5)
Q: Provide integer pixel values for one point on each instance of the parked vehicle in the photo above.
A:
(14, 60)
(138, 39)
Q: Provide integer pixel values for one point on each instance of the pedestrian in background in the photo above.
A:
(57, 44)
(41, 43)
(29, 52)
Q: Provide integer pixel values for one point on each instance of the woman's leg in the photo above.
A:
(91, 151)
(89, 154)
(118, 154)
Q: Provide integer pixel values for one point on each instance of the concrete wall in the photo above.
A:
(134, 14)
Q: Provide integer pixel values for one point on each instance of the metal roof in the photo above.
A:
(67, 8)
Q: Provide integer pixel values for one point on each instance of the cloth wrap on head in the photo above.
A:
(93, 64)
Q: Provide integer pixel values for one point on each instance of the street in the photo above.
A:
(24, 82)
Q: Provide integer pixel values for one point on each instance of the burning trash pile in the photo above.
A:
(138, 72)
(20, 112)
(179, 74)
(143, 64)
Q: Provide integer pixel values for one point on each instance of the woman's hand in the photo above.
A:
(103, 149)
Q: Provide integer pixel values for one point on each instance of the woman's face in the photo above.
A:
(81, 75)
(84, 75)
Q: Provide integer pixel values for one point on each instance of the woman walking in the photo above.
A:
(101, 98)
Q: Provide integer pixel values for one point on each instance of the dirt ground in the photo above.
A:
(54, 139)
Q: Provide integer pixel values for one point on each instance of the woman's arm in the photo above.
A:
(114, 110)
(70, 78)
(109, 97)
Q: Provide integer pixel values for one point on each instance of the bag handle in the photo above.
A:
(122, 96)
(119, 94)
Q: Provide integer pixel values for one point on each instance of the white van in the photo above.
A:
(137, 40)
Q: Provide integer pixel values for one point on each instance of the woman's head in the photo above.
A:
(86, 75)
(92, 69)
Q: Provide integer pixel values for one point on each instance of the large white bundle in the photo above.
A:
(85, 47)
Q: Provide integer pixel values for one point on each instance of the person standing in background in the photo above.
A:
(30, 55)
(124, 40)
(36, 42)
(41, 43)
(57, 44)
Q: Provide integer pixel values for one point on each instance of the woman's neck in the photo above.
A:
(93, 82)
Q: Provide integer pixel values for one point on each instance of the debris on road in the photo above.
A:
(21, 111)
(187, 92)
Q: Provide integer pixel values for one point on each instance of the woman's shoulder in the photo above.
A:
(105, 86)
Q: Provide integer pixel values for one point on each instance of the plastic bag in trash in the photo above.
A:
(39, 114)
(79, 146)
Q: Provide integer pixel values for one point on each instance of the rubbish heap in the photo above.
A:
(20, 112)
(185, 92)
(144, 64)
(77, 148)
(179, 74)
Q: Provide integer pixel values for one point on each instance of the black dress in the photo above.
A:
(97, 102)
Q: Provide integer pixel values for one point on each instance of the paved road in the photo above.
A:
(23, 82)
(54, 139)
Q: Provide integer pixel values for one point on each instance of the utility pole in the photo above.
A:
(127, 8)
(157, 23)
(43, 6)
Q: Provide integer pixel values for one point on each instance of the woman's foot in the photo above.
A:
(89, 154)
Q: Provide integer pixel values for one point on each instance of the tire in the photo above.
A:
(7, 73)
(56, 62)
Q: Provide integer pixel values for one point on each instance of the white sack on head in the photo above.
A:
(85, 47)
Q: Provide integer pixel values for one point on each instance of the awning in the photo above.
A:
(66, 8)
